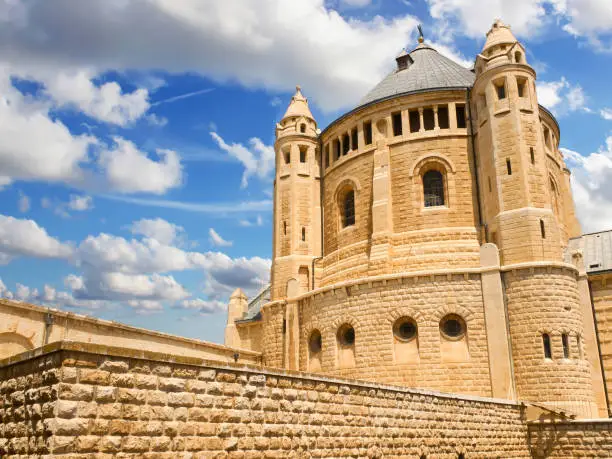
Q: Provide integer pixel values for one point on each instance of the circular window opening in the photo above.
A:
(315, 342)
(405, 329)
(452, 327)
(346, 335)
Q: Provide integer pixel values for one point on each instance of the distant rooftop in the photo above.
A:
(596, 250)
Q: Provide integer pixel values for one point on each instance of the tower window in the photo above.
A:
(542, 229)
(547, 348)
(490, 187)
(303, 234)
(415, 120)
(518, 57)
(285, 228)
(547, 137)
(443, 121)
(500, 88)
(521, 84)
(354, 142)
(336, 149)
(428, 119)
(287, 156)
(302, 128)
(349, 209)
(460, 112)
(532, 154)
(565, 342)
(303, 151)
(433, 189)
(396, 118)
(579, 346)
(367, 132)
(327, 156)
(345, 144)
(509, 166)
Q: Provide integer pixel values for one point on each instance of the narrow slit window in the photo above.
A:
(547, 348)
(579, 346)
(542, 229)
(443, 121)
(490, 187)
(396, 119)
(367, 132)
(327, 156)
(354, 145)
(460, 111)
(521, 84)
(547, 137)
(509, 166)
(303, 234)
(500, 88)
(415, 120)
(345, 144)
(428, 119)
(285, 228)
(303, 153)
(336, 149)
(287, 156)
(565, 342)
(532, 154)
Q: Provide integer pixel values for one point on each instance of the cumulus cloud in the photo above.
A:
(273, 44)
(24, 238)
(591, 178)
(562, 97)
(591, 19)
(203, 306)
(129, 170)
(216, 240)
(80, 203)
(257, 160)
(606, 113)
(159, 229)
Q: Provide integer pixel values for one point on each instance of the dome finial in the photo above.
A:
(421, 37)
(298, 88)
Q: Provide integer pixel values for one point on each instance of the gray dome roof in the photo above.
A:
(426, 70)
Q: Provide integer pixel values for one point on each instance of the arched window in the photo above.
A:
(302, 128)
(547, 348)
(518, 57)
(348, 209)
(433, 188)
(315, 343)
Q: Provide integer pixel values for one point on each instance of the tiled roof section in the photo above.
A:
(596, 250)
(254, 310)
(429, 70)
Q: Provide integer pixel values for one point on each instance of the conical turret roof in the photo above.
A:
(421, 69)
(499, 34)
(298, 106)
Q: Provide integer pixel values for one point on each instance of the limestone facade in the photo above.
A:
(438, 216)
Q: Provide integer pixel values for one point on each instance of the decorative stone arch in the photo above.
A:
(12, 343)
(445, 310)
(418, 317)
(437, 162)
(348, 183)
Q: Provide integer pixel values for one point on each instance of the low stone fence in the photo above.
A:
(72, 399)
(582, 438)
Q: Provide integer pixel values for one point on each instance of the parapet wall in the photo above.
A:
(75, 399)
(586, 438)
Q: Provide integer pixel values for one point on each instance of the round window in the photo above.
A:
(405, 329)
(452, 327)
(315, 343)
(346, 335)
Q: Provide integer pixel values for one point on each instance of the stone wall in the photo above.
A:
(71, 398)
(23, 327)
(590, 438)
(601, 292)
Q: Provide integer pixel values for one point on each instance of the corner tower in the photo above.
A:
(297, 203)
(516, 201)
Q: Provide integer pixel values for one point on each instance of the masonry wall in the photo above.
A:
(601, 291)
(591, 438)
(23, 327)
(371, 307)
(74, 398)
(545, 300)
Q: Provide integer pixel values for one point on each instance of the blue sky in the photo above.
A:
(136, 138)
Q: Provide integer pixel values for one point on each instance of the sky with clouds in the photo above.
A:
(136, 137)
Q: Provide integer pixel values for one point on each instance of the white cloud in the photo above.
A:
(591, 19)
(270, 44)
(591, 178)
(25, 238)
(203, 306)
(247, 223)
(217, 208)
(80, 203)
(129, 170)
(24, 202)
(606, 113)
(356, 3)
(562, 97)
(5, 292)
(159, 229)
(105, 103)
(216, 240)
(258, 160)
